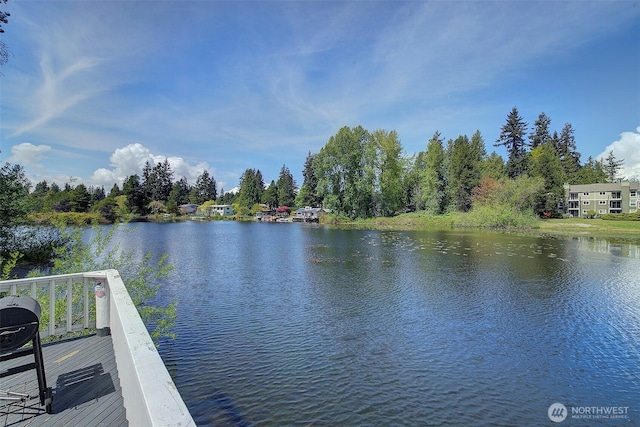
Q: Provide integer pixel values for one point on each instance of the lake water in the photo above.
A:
(294, 324)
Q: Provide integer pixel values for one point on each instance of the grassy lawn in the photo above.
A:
(621, 231)
(625, 230)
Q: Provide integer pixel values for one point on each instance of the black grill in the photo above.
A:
(19, 324)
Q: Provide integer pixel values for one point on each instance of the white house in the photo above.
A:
(222, 210)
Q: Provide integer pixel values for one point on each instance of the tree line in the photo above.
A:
(357, 174)
(362, 174)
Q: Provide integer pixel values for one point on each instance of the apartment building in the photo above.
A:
(618, 197)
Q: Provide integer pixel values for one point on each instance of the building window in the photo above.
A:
(602, 193)
(632, 193)
(585, 194)
(602, 202)
(616, 195)
(602, 211)
(584, 211)
(585, 202)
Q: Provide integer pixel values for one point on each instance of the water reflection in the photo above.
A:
(293, 324)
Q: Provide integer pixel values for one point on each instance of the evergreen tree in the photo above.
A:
(205, 189)
(270, 195)
(463, 174)
(286, 187)
(147, 170)
(41, 189)
(591, 172)
(80, 199)
(115, 191)
(157, 181)
(38, 198)
(432, 177)
(179, 194)
(308, 192)
(133, 190)
(251, 188)
(555, 141)
(569, 156)
(540, 133)
(612, 167)
(512, 138)
(97, 194)
(493, 166)
(478, 150)
(411, 183)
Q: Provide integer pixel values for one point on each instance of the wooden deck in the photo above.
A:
(86, 389)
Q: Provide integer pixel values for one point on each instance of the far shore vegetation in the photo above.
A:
(363, 178)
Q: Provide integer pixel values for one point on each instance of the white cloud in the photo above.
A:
(28, 155)
(130, 160)
(627, 148)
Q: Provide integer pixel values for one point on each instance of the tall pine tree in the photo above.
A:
(286, 187)
(512, 138)
(307, 196)
(569, 156)
(541, 132)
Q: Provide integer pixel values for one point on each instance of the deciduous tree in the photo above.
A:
(14, 189)
(390, 171)
(4, 51)
(546, 164)
(345, 168)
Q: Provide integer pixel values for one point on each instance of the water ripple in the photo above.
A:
(382, 328)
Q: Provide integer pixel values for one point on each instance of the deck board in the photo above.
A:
(83, 376)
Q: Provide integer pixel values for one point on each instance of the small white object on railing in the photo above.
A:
(102, 310)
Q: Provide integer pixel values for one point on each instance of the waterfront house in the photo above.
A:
(222, 210)
(602, 198)
(188, 209)
(308, 214)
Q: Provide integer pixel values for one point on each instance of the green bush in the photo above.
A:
(142, 277)
(622, 217)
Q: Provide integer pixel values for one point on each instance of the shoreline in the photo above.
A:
(614, 231)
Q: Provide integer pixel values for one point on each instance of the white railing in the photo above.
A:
(149, 394)
(66, 300)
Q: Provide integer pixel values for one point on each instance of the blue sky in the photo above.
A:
(93, 89)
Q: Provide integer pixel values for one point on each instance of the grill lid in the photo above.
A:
(19, 321)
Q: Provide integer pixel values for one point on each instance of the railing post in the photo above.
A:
(102, 309)
(69, 304)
